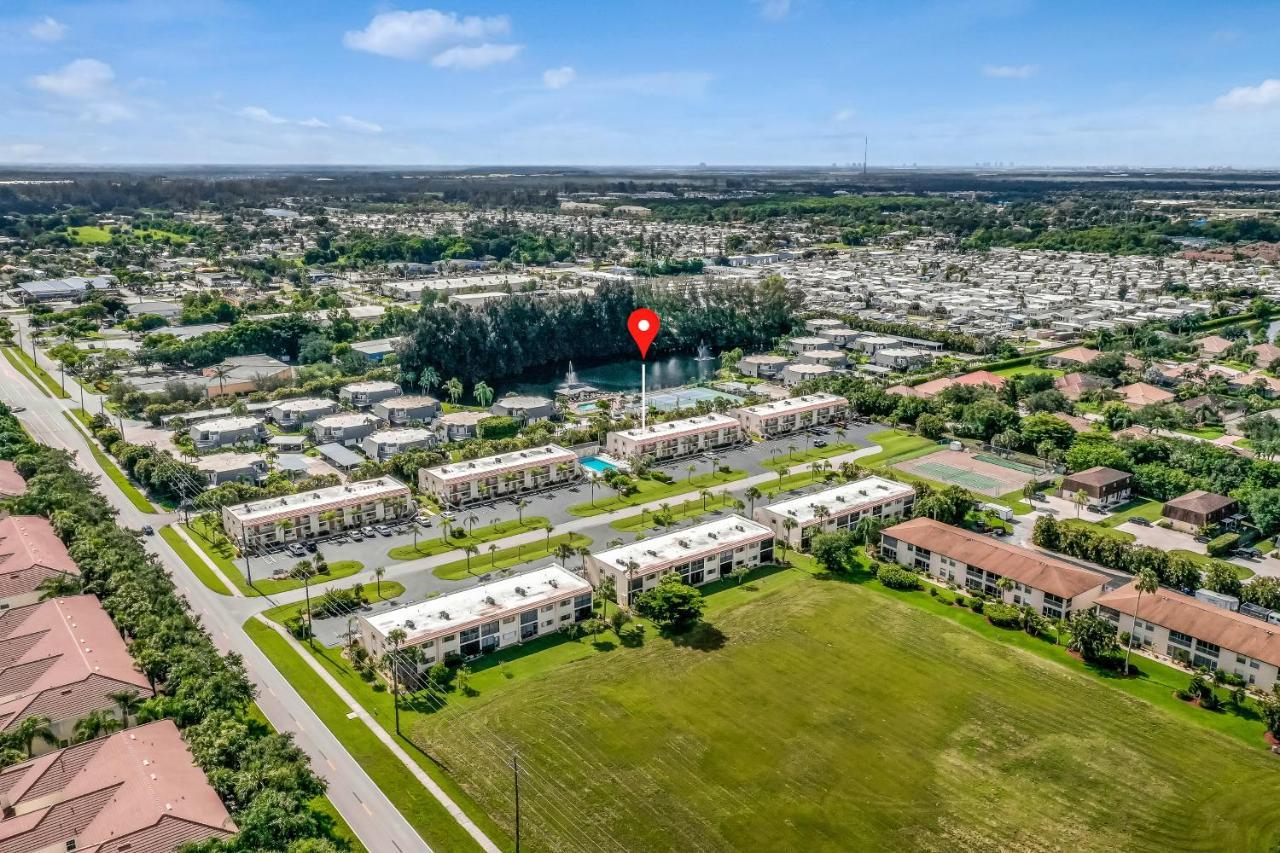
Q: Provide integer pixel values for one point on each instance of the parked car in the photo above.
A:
(1140, 521)
(820, 443)
(1039, 496)
(16, 409)
(368, 531)
(310, 546)
(1203, 540)
(384, 530)
(295, 550)
(148, 530)
(357, 536)
(1249, 553)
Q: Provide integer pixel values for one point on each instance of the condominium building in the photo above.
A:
(274, 522)
(1196, 633)
(219, 468)
(781, 417)
(136, 790)
(365, 394)
(1051, 587)
(674, 439)
(837, 509)
(483, 618)
(345, 428)
(385, 443)
(294, 414)
(33, 554)
(62, 659)
(407, 408)
(228, 432)
(518, 472)
(700, 554)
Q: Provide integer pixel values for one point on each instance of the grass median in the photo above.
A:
(648, 491)
(423, 811)
(218, 548)
(444, 543)
(813, 454)
(37, 374)
(502, 558)
(370, 592)
(198, 567)
(692, 508)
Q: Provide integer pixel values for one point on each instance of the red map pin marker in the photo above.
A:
(643, 325)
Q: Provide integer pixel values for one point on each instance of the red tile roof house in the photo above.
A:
(1214, 345)
(1268, 355)
(62, 659)
(1050, 586)
(1141, 394)
(138, 790)
(11, 483)
(934, 387)
(30, 553)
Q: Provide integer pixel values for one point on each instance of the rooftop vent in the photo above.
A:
(521, 591)
(488, 599)
(555, 584)
(444, 614)
(409, 623)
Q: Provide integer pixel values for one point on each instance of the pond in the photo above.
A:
(622, 375)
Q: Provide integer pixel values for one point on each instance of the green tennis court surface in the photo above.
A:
(950, 474)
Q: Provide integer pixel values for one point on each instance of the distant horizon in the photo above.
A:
(852, 169)
(770, 82)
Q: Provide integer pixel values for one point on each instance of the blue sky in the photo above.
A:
(599, 82)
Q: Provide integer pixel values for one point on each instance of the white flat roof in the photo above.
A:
(793, 404)
(305, 503)
(400, 436)
(469, 469)
(302, 404)
(450, 613)
(681, 545)
(229, 423)
(674, 429)
(842, 499)
(409, 401)
(372, 385)
(344, 419)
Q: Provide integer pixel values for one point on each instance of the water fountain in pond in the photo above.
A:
(574, 389)
(704, 352)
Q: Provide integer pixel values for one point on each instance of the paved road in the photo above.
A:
(370, 814)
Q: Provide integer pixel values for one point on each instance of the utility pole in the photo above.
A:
(515, 770)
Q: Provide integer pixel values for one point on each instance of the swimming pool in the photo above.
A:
(595, 463)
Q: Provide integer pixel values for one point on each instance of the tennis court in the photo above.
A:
(962, 469)
(683, 398)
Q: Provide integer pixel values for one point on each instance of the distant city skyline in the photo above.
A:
(565, 82)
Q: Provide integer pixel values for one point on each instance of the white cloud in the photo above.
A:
(89, 84)
(448, 40)
(843, 115)
(558, 78)
(359, 125)
(47, 29)
(478, 56)
(260, 114)
(313, 122)
(1265, 94)
(773, 10)
(1010, 72)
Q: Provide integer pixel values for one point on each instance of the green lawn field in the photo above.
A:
(832, 716)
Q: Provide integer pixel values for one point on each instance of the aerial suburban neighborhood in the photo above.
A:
(915, 497)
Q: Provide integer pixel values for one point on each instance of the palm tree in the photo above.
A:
(483, 393)
(59, 585)
(1146, 581)
(564, 551)
(395, 637)
(454, 389)
(221, 371)
(1080, 498)
(94, 724)
(378, 574)
(782, 472)
(788, 524)
(472, 519)
(128, 701)
(520, 505)
(31, 728)
(753, 494)
(704, 494)
(691, 469)
(548, 527)
(304, 570)
(1004, 585)
(493, 555)
(445, 525)
(791, 450)
(468, 550)
(428, 378)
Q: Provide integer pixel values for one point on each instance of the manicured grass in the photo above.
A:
(691, 508)
(198, 566)
(1208, 433)
(284, 612)
(1025, 369)
(1136, 508)
(652, 490)
(925, 714)
(788, 482)
(338, 569)
(801, 456)
(1111, 532)
(488, 561)
(37, 374)
(898, 446)
(432, 544)
(423, 812)
(114, 474)
(87, 234)
(340, 828)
